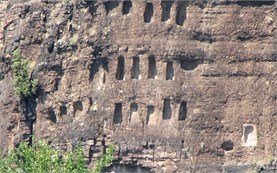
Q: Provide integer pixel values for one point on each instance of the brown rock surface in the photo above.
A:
(178, 86)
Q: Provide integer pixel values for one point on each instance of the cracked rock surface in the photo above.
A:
(177, 86)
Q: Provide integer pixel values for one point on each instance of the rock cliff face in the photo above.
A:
(177, 86)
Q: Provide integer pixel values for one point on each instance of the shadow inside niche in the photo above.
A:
(181, 13)
(255, 3)
(91, 6)
(127, 5)
(148, 13)
(95, 67)
(190, 64)
(110, 5)
(78, 106)
(52, 115)
(166, 8)
(227, 145)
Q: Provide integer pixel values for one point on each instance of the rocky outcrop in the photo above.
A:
(177, 86)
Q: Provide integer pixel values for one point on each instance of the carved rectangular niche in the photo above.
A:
(78, 107)
(120, 68)
(126, 7)
(152, 67)
(181, 13)
(63, 110)
(190, 64)
(148, 13)
(167, 109)
(249, 137)
(134, 116)
(135, 71)
(183, 111)
(150, 112)
(169, 71)
(117, 119)
(110, 5)
(166, 7)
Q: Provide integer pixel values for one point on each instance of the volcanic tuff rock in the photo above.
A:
(178, 86)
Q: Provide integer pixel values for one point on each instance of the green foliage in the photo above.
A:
(41, 158)
(105, 160)
(23, 84)
(7, 165)
(65, 1)
(75, 162)
(74, 40)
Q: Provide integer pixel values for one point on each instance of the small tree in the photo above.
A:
(23, 83)
(105, 160)
(42, 158)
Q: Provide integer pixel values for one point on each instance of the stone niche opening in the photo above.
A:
(126, 7)
(150, 112)
(99, 78)
(117, 119)
(227, 145)
(135, 71)
(52, 115)
(181, 13)
(152, 67)
(167, 109)
(255, 3)
(183, 111)
(190, 64)
(95, 66)
(249, 137)
(78, 107)
(120, 68)
(169, 71)
(98, 70)
(63, 110)
(110, 5)
(166, 7)
(134, 117)
(148, 13)
(134, 107)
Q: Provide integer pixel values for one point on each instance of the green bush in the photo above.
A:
(24, 85)
(41, 158)
(105, 160)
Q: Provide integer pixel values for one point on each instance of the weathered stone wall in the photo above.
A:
(178, 86)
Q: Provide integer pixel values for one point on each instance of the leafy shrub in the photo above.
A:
(105, 160)
(23, 84)
(41, 158)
